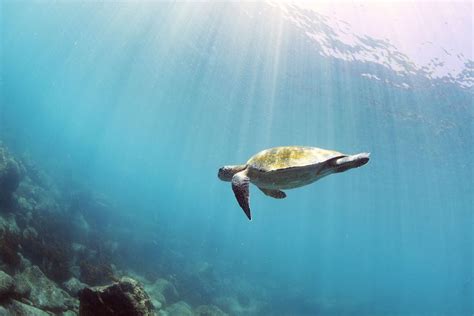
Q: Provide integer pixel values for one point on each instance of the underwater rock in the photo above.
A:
(9, 246)
(8, 222)
(17, 308)
(163, 291)
(159, 297)
(95, 260)
(234, 307)
(22, 288)
(25, 263)
(75, 271)
(73, 286)
(25, 205)
(209, 310)
(47, 244)
(10, 237)
(43, 293)
(158, 300)
(78, 248)
(180, 308)
(10, 175)
(31, 197)
(26, 196)
(38, 176)
(96, 273)
(127, 298)
(30, 233)
(95, 209)
(6, 285)
(157, 305)
(81, 226)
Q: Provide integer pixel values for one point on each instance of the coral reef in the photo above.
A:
(126, 297)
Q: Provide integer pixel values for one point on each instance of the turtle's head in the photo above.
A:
(227, 172)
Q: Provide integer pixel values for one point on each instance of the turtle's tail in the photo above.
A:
(353, 161)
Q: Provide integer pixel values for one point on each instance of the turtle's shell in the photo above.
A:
(280, 158)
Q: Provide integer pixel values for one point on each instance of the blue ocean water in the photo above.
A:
(143, 102)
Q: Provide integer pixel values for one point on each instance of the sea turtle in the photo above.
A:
(281, 168)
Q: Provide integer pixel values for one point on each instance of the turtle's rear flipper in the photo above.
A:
(240, 186)
(349, 162)
(277, 194)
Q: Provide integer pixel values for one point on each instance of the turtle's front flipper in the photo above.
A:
(240, 186)
(277, 194)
